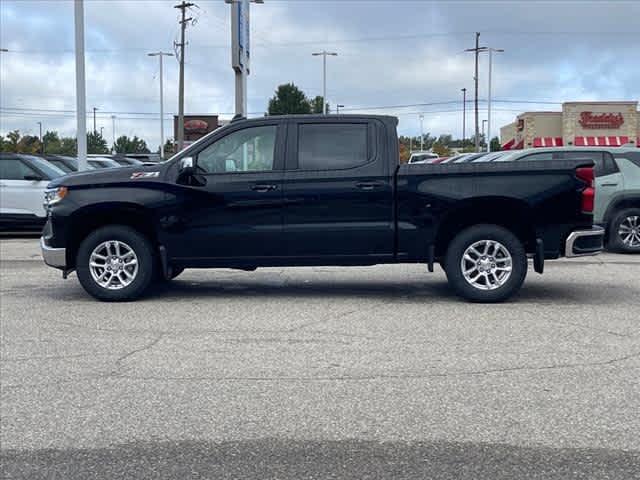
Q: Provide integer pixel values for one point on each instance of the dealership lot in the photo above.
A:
(288, 373)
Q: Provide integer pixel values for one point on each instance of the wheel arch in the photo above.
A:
(620, 203)
(513, 214)
(89, 218)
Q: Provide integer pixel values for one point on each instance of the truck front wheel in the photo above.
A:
(115, 263)
(486, 263)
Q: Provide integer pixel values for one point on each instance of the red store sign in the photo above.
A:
(601, 120)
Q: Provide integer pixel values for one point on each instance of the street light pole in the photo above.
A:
(491, 50)
(421, 133)
(464, 115)
(94, 120)
(113, 134)
(324, 54)
(161, 54)
(41, 144)
(81, 100)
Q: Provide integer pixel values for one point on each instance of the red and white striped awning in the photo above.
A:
(547, 142)
(611, 141)
(519, 145)
(508, 145)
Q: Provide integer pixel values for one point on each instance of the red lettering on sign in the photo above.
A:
(601, 120)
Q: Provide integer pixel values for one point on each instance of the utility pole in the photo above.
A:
(81, 100)
(324, 54)
(41, 144)
(485, 138)
(183, 26)
(161, 54)
(491, 50)
(464, 115)
(421, 133)
(94, 120)
(477, 51)
(113, 134)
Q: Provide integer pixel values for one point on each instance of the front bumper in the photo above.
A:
(581, 243)
(54, 257)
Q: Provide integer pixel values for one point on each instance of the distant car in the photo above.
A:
(617, 203)
(126, 161)
(23, 181)
(102, 162)
(422, 157)
(468, 158)
(490, 157)
(64, 163)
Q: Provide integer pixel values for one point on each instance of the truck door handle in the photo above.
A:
(609, 184)
(368, 185)
(261, 188)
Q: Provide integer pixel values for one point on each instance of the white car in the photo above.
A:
(23, 181)
(422, 157)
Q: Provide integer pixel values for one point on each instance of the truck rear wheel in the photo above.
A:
(624, 231)
(486, 263)
(115, 263)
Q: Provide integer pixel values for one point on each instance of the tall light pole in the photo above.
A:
(324, 54)
(161, 54)
(94, 120)
(421, 133)
(477, 51)
(41, 144)
(81, 100)
(490, 50)
(464, 115)
(113, 134)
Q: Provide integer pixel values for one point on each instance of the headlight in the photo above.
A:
(53, 196)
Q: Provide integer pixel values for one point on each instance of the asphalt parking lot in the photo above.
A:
(374, 372)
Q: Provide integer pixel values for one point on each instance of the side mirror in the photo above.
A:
(187, 166)
(33, 178)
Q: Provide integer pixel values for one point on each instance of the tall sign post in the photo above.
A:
(240, 51)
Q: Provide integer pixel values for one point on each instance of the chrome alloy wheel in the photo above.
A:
(486, 265)
(113, 265)
(629, 231)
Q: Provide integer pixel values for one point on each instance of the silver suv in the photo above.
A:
(617, 188)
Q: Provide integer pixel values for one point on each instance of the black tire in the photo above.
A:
(469, 237)
(145, 257)
(616, 241)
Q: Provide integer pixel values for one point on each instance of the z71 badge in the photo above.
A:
(136, 175)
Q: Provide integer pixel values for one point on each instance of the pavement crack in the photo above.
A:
(129, 354)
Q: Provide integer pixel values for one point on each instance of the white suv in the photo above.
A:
(23, 180)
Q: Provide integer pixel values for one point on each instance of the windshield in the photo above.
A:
(61, 165)
(49, 170)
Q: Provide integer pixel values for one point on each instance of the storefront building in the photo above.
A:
(579, 124)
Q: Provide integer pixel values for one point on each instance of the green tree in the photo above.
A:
(495, 144)
(68, 146)
(29, 144)
(11, 144)
(51, 142)
(289, 99)
(96, 143)
(125, 144)
(317, 104)
(169, 148)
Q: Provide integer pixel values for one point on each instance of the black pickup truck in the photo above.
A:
(317, 190)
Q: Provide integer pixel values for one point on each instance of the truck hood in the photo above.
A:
(109, 176)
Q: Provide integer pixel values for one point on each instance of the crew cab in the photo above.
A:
(317, 190)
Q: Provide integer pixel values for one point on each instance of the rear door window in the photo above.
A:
(603, 160)
(326, 146)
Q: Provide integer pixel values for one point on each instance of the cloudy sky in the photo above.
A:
(405, 56)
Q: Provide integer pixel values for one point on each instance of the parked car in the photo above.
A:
(126, 161)
(490, 157)
(102, 162)
(66, 164)
(422, 157)
(316, 190)
(468, 158)
(23, 181)
(617, 206)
